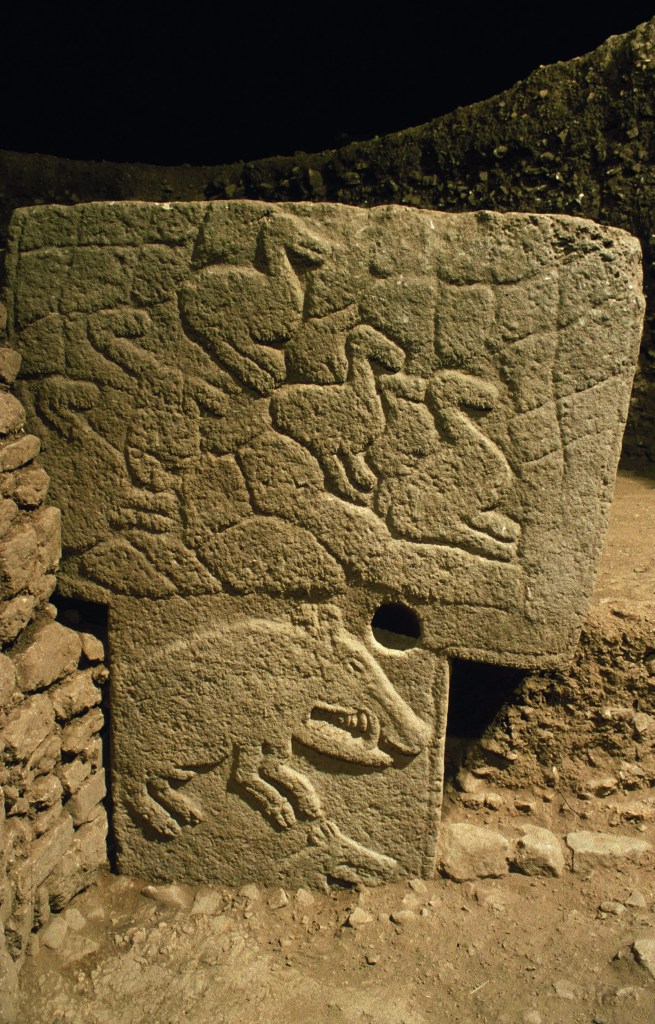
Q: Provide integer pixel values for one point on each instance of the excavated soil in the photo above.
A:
(531, 950)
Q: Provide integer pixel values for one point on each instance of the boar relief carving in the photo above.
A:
(248, 693)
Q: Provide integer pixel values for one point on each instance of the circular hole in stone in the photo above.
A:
(396, 626)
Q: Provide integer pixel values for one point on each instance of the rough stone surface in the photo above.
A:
(600, 849)
(468, 852)
(292, 416)
(538, 852)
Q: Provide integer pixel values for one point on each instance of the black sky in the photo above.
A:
(196, 89)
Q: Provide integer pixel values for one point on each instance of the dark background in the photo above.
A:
(202, 90)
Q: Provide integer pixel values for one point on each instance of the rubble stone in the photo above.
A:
(77, 693)
(77, 737)
(72, 775)
(92, 648)
(28, 487)
(538, 852)
(12, 414)
(54, 651)
(601, 849)
(9, 365)
(89, 795)
(469, 852)
(15, 615)
(27, 727)
(644, 950)
(17, 451)
(46, 853)
(18, 559)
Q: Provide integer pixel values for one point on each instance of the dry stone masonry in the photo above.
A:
(307, 454)
(53, 824)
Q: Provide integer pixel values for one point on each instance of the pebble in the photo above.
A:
(525, 806)
(402, 917)
(251, 892)
(532, 1017)
(359, 917)
(612, 907)
(173, 895)
(644, 951)
(637, 899)
(372, 959)
(564, 990)
(493, 801)
(418, 886)
(54, 933)
(304, 898)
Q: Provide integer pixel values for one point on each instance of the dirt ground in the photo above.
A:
(511, 950)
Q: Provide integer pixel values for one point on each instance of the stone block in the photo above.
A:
(52, 653)
(8, 514)
(77, 693)
(46, 522)
(332, 449)
(26, 727)
(45, 791)
(538, 852)
(15, 615)
(7, 680)
(28, 487)
(72, 775)
(17, 451)
(82, 806)
(470, 851)
(46, 755)
(88, 852)
(46, 853)
(9, 365)
(76, 737)
(12, 414)
(41, 588)
(9, 992)
(606, 850)
(18, 559)
(92, 648)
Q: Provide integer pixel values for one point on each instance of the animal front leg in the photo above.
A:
(270, 801)
(297, 784)
(187, 810)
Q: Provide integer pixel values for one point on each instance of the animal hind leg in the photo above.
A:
(267, 797)
(300, 788)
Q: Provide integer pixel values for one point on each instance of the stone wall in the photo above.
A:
(53, 824)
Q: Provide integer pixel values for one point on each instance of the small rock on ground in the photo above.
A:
(644, 950)
(469, 852)
(538, 852)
